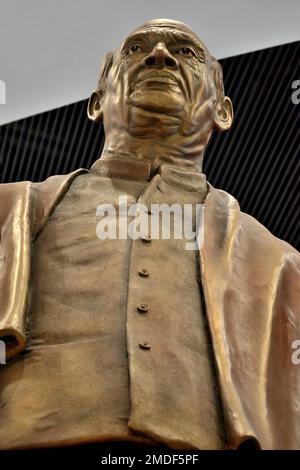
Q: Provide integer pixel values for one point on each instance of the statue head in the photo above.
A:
(162, 84)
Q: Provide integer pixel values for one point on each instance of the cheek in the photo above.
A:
(121, 78)
(204, 101)
(204, 85)
(201, 87)
(198, 72)
(114, 79)
(115, 106)
(205, 94)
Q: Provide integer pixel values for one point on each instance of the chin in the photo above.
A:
(156, 101)
(153, 123)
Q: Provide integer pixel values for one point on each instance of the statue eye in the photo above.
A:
(187, 51)
(134, 48)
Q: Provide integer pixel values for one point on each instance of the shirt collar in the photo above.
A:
(190, 179)
(121, 167)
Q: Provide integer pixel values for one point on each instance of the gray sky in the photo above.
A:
(50, 50)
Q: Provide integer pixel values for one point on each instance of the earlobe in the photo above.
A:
(95, 107)
(224, 115)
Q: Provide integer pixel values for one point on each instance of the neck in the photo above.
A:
(155, 151)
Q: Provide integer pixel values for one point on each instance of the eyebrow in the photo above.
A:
(171, 36)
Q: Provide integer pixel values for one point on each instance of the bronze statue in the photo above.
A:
(136, 339)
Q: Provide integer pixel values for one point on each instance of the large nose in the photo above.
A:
(160, 57)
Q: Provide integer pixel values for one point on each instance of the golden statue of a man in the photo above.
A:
(139, 339)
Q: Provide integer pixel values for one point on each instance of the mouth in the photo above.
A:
(157, 79)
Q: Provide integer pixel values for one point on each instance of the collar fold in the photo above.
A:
(120, 167)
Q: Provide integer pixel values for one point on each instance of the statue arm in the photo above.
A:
(25, 208)
(15, 231)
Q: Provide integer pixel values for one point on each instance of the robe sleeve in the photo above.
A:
(15, 232)
(251, 283)
(25, 208)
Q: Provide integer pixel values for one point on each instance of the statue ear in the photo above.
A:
(223, 115)
(94, 111)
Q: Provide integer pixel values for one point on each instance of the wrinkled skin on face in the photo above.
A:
(160, 86)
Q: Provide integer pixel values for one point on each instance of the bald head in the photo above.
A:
(167, 24)
(172, 26)
(162, 82)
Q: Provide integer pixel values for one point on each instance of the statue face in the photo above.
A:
(163, 70)
(160, 81)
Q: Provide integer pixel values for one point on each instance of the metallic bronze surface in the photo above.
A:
(114, 340)
(160, 95)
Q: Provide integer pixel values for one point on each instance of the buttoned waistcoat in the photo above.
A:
(250, 281)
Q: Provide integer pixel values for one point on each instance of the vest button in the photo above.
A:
(143, 272)
(145, 345)
(143, 308)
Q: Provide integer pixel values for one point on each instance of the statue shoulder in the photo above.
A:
(44, 195)
(226, 214)
(10, 194)
(50, 192)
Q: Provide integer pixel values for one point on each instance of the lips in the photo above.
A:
(157, 77)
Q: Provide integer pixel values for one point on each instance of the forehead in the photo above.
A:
(168, 33)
